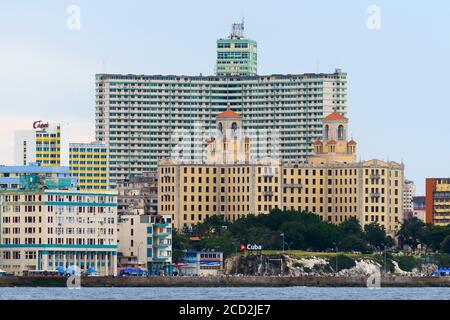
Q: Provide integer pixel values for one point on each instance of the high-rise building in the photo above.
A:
(331, 184)
(409, 190)
(236, 55)
(88, 163)
(437, 199)
(42, 145)
(45, 228)
(137, 116)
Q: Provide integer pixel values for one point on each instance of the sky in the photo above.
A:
(397, 61)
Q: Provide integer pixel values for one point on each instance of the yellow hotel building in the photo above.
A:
(332, 184)
(40, 145)
(88, 164)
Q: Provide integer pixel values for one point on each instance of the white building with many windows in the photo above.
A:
(137, 116)
(50, 229)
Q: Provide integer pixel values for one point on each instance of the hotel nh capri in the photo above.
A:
(41, 144)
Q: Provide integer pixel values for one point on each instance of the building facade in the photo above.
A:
(138, 195)
(138, 115)
(145, 241)
(42, 145)
(437, 208)
(419, 208)
(236, 55)
(409, 190)
(200, 263)
(10, 176)
(332, 184)
(48, 229)
(88, 164)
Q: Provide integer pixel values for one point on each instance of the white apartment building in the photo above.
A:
(145, 241)
(137, 115)
(46, 230)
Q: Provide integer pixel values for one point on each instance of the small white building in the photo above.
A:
(145, 241)
(200, 263)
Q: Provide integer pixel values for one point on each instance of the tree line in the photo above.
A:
(305, 231)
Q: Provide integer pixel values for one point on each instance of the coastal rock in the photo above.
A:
(427, 269)
(362, 268)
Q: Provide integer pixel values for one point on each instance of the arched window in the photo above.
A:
(220, 127)
(341, 133)
(327, 132)
(234, 126)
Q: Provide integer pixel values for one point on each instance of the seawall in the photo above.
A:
(250, 281)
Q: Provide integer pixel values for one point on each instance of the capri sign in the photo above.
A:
(40, 125)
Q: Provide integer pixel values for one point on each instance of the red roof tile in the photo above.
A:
(228, 114)
(335, 116)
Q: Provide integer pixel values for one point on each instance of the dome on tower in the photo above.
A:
(228, 114)
(335, 116)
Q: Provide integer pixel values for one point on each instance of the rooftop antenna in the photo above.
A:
(103, 65)
(237, 30)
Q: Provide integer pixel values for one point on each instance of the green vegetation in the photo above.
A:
(305, 235)
(343, 262)
(433, 238)
(302, 231)
(407, 263)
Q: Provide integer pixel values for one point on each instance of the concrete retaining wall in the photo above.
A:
(252, 281)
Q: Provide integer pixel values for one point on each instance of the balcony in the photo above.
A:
(161, 224)
(160, 258)
(161, 235)
(161, 246)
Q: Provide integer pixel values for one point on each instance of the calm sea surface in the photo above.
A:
(287, 293)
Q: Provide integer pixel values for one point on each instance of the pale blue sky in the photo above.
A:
(398, 75)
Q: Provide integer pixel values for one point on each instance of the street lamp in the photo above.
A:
(139, 249)
(384, 253)
(336, 249)
(236, 244)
